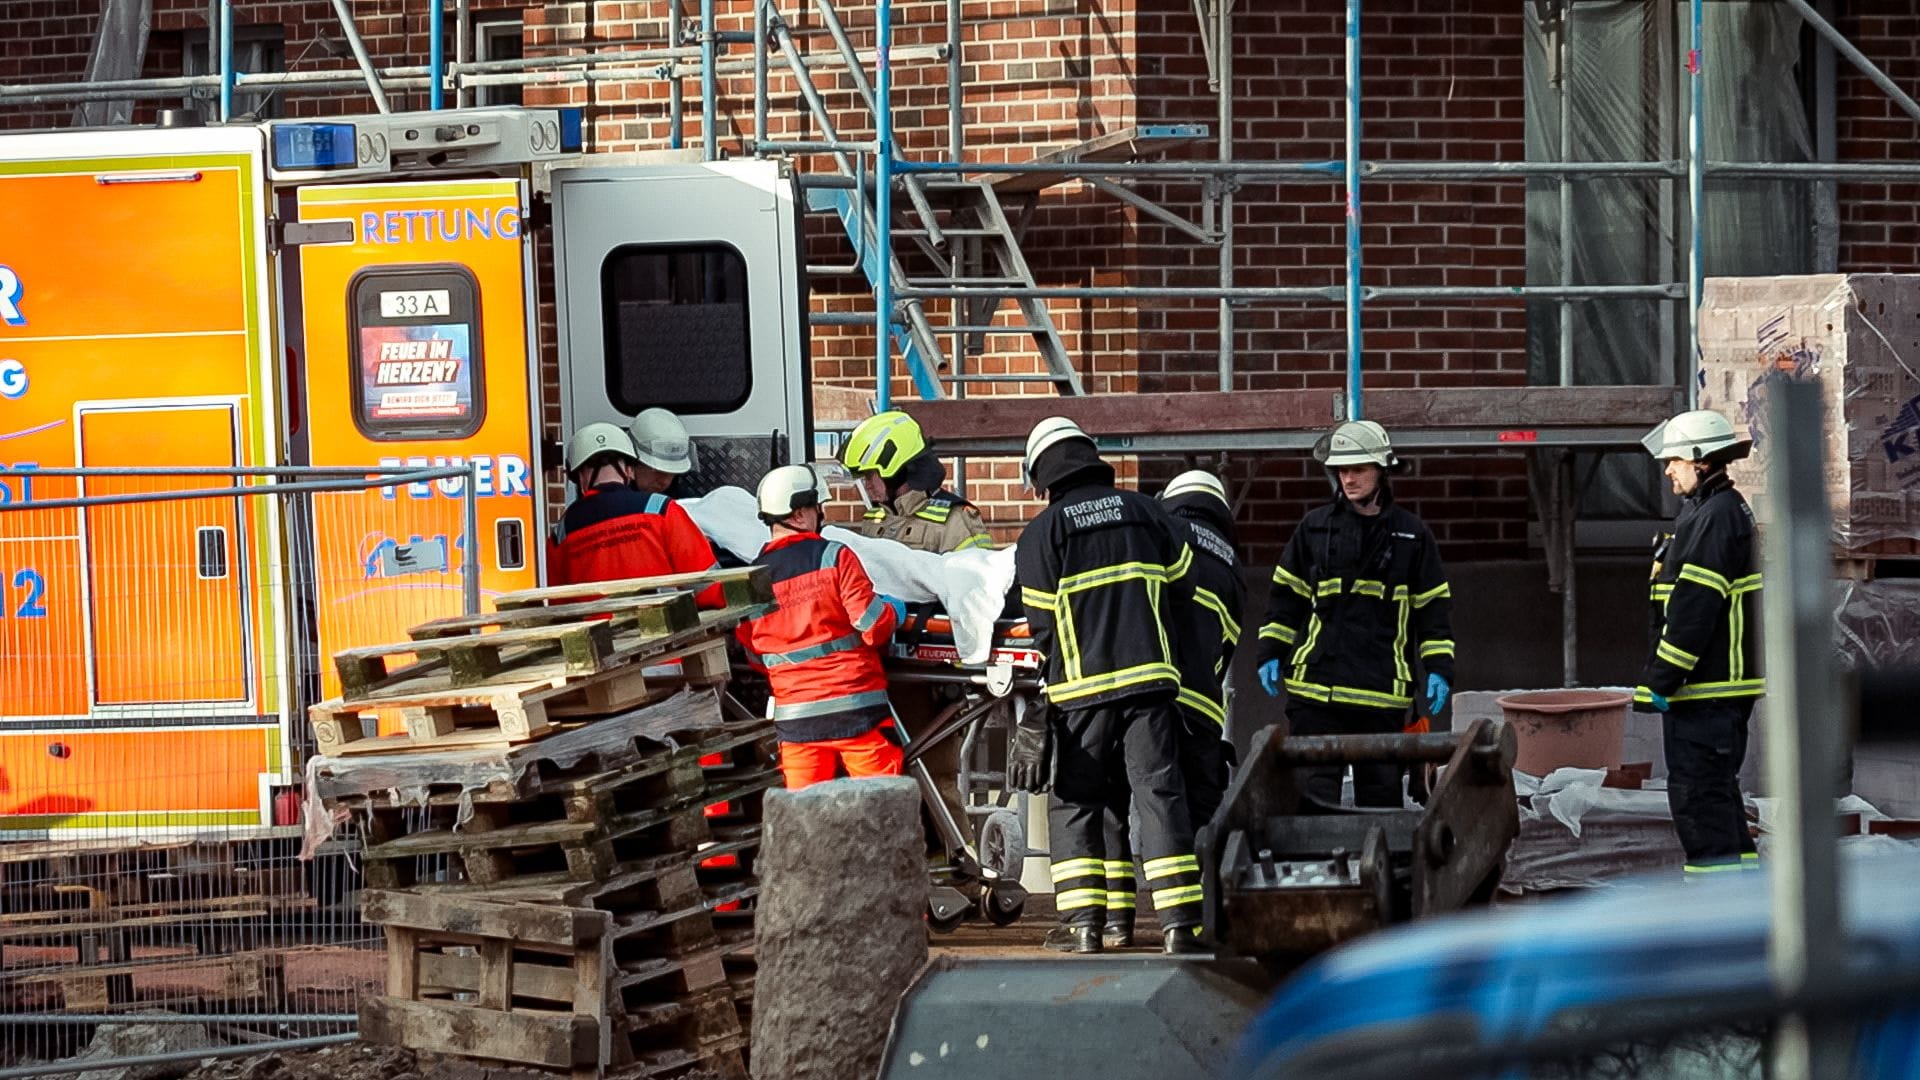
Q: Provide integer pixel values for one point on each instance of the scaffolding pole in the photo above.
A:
(709, 83)
(226, 59)
(1696, 194)
(1351, 175)
(1222, 31)
(437, 56)
(883, 205)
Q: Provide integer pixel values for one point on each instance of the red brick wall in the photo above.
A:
(1879, 222)
(1444, 82)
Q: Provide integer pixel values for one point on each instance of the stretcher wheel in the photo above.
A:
(945, 924)
(1003, 844)
(1003, 908)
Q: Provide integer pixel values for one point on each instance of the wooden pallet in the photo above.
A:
(542, 985)
(604, 829)
(744, 586)
(484, 717)
(683, 728)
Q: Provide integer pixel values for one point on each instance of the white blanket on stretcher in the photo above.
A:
(972, 585)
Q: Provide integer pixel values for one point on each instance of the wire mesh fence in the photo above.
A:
(161, 636)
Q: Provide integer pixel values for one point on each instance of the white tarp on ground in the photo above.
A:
(971, 585)
(1577, 833)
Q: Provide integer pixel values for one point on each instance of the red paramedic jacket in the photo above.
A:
(617, 531)
(821, 647)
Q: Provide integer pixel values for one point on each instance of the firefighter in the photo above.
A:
(618, 527)
(1198, 502)
(663, 449)
(1704, 672)
(904, 482)
(820, 647)
(1104, 572)
(1359, 604)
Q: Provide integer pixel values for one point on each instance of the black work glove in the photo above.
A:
(1029, 764)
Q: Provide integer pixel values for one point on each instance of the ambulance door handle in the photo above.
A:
(210, 546)
(509, 536)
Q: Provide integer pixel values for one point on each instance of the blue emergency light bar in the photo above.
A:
(313, 146)
(572, 129)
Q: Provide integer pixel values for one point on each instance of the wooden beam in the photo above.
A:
(1111, 415)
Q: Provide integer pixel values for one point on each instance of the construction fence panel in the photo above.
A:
(162, 634)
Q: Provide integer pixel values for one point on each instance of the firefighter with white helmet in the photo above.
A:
(662, 447)
(1704, 672)
(905, 483)
(1105, 575)
(620, 526)
(1197, 500)
(1360, 603)
(820, 647)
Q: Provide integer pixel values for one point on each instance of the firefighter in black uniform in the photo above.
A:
(1198, 502)
(1104, 573)
(1704, 672)
(1359, 603)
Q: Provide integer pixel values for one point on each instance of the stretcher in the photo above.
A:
(979, 705)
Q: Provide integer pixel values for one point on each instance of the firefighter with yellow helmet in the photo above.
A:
(1360, 603)
(1704, 672)
(905, 485)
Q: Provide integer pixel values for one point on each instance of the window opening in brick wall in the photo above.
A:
(257, 50)
(1626, 100)
(497, 39)
(675, 318)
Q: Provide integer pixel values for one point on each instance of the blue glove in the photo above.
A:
(1660, 703)
(899, 607)
(1437, 692)
(1270, 678)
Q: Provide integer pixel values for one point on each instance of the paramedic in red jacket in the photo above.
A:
(616, 529)
(821, 646)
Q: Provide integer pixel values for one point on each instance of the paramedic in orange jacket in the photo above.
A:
(820, 648)
(617, 529)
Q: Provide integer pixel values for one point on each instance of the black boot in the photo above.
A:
(1073, 939)
(1182, 941)
(1118, 934)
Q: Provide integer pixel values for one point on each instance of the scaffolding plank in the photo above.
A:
(1120, 415)
(1127, 144)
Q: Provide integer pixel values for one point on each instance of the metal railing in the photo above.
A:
(164, 630)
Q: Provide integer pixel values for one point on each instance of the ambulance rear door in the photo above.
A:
(413, 347)
(680, 287)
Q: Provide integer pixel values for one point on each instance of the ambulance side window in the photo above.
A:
(675, 318)
(415, 336)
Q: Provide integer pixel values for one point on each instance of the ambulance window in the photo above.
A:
(675, 318)
(416, 347)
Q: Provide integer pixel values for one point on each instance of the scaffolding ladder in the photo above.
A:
(960, 246)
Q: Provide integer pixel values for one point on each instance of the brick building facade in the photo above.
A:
(1444, 83)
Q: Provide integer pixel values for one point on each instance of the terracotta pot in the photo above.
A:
(1557, 729)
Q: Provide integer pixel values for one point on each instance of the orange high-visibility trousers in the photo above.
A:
(805, 763)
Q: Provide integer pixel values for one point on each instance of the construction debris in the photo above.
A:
(561, 844)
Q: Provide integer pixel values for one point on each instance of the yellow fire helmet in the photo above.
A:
(884, 443)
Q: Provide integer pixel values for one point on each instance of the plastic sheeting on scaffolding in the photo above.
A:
(1625, 92)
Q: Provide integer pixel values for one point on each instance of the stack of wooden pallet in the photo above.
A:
(560, 844)
(111, 924)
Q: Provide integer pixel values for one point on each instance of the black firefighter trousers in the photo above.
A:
(1706, 742)
(1131, 745)
(1204, 767)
